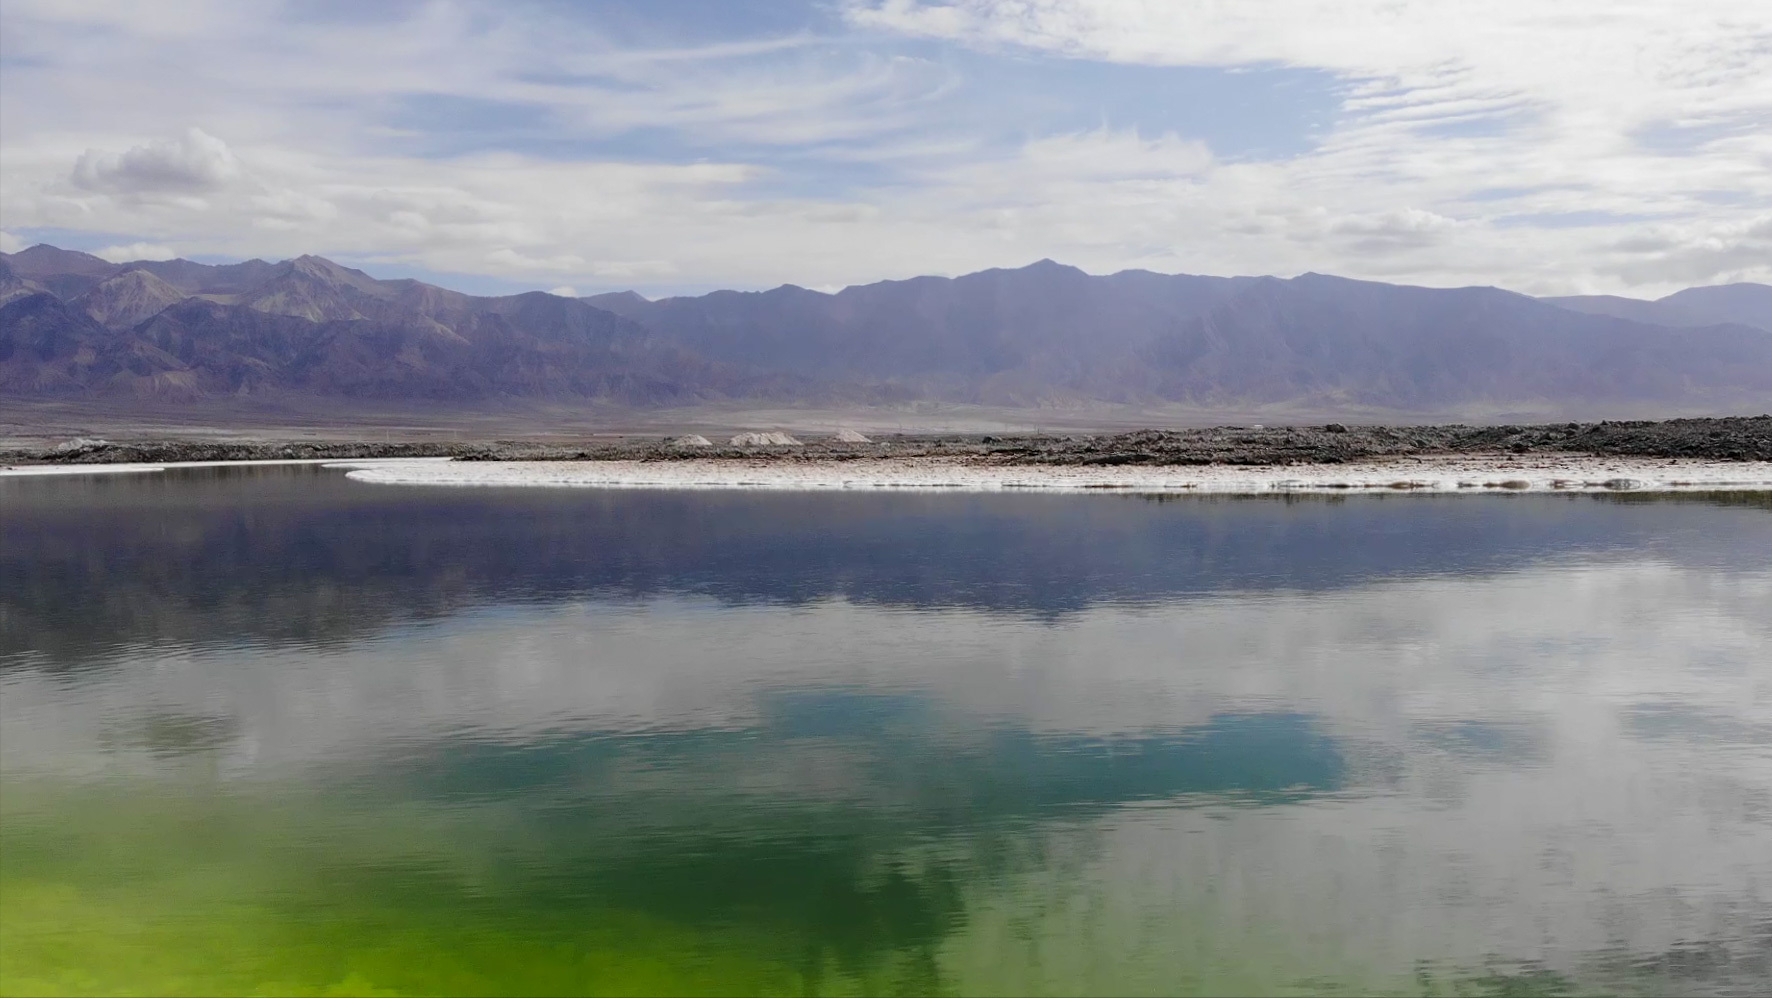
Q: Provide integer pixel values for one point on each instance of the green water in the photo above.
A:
(280, 733)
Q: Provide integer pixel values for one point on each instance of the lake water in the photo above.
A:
(271, 731)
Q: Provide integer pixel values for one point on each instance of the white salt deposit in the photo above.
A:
(78, 443)
(1535, 473)
(692, 440)
(1447, 474)
(764, 440)
(850, 437)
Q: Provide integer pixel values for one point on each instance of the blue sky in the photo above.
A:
(682, 145)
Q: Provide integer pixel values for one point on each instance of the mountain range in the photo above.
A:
(73, 325)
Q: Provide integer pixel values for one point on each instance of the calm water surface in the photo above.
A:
(271, 731)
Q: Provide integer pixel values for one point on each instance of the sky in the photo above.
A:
(676, 146)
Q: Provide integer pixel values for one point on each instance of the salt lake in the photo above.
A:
(273, 730)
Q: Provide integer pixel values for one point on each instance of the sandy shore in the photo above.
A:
(1438, 474)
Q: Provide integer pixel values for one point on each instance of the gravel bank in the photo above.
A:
(1721, 439)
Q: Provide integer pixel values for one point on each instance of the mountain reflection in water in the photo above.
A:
(271, 729)
(303, 555)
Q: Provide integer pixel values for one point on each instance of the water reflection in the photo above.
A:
(920, 770)
(302, 555)
(277, 731)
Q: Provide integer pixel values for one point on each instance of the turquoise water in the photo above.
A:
(271, 731)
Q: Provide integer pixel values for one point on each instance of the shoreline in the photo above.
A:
(128, 468)
(1440, 474)
(1667, 455)
(1728, 439)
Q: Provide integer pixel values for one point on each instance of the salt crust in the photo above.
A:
(1430, 474)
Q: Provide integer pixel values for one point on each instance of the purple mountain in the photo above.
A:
(73, 325)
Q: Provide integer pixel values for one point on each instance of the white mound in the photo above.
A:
(691, 440)
(764, 440)
(850, 437)
(79, 443)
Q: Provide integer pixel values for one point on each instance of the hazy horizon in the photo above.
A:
(393, 273)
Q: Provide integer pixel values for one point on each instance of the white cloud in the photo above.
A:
(818, 165)
(10, 243)
(630, 270)
(1449, 100)
(136, 251)
(1406, 229)
(1739, 249)
(194, 162)
(564, 291)
(185, 19)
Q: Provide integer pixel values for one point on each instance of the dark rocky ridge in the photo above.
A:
(1722, 439)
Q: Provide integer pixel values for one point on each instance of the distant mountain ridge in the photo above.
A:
(1746, 304)
(72, 324)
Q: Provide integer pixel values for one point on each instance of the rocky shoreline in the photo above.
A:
(1714, 439)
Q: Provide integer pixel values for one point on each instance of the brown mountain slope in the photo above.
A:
(48, 347)
(65, 273)
(122, 301)
(13, 286)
